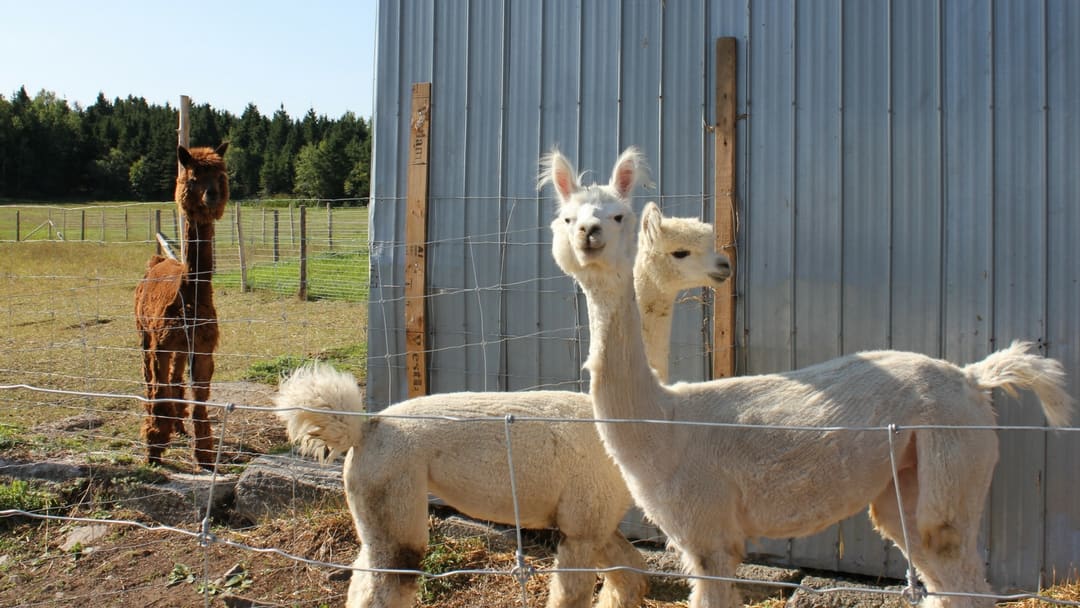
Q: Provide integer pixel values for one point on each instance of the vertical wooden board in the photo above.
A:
(562, 305)
(733, 20)
(483, 177)
(1062, 550)
(680, 169)
(386, 342)
(1019, 264)
(449, 268)
(526, 213)
(817, 226)
(768, 215)
(416, 247)
(725, 208)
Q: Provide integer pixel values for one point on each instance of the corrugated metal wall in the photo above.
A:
(908, 178)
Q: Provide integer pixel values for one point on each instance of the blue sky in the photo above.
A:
(306, 55)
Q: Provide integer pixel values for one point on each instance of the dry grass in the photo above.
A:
(66, 323)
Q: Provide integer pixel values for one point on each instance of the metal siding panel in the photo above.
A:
(916, 178)
(866, 202)
(527, 236)
(483, 210)
(680, 171)
(563, 305)
(641, 52)
(866, 222)
(968, 179)
(399, 65)
(1063, 277)
(448, 265)
(599, 135)
(967, 162)
(768, 211)
(916, 183)
(817, 255)
(1016, 498)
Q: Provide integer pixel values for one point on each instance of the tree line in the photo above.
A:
(125, 149)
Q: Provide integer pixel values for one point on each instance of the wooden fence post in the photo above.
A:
(16, 225)
(240, 241)
(725, 212)
(292, 224)
(183, 138)
(416, 242)
(276, 253)
(302, 294)
(82, 224)
(329, 227)
(157, 229)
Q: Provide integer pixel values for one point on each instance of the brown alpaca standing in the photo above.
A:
(174, 309)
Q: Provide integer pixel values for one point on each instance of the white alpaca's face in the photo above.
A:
(595, 227)
(679, 253)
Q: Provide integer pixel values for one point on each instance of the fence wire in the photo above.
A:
(94, 395)
(205, 537)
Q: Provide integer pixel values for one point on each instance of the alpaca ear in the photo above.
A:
(220, 150)
(629, 169)
(556, 169)
(183, 156)
(651, 218)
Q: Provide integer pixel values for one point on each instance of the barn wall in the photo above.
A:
(907, 179)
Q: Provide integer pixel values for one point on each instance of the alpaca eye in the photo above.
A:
(618, 218)
(680, 254)
(566, 219)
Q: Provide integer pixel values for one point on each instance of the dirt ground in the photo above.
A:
(42, 562)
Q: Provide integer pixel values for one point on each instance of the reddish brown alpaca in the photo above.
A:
(174, 309)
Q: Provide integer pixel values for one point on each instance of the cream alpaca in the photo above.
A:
(711, 487)
(564, 477)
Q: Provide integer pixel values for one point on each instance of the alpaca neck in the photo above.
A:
(655, 307)
(622, 383)
(199, 251)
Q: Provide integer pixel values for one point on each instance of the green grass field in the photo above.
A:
(67, 319)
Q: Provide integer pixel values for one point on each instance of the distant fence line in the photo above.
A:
(314, 248)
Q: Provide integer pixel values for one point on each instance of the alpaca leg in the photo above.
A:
(944, 555)
(713, 593)
(157, 426)
(380, 590)
(573, 589)
(622, 588)
(202, 370)
(177, 411)
(389, 508)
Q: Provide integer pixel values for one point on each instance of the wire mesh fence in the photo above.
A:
(71, 404)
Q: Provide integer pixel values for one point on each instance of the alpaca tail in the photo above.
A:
(1017, 367)
(327, 423)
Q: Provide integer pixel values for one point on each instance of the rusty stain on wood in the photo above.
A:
(416, 242)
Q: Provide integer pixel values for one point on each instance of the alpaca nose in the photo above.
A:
(591, 235)
(723, 270)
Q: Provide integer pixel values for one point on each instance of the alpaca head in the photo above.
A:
(677, 253)
(202, 189)
(593, 235)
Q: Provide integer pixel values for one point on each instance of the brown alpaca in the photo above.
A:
(174, 309)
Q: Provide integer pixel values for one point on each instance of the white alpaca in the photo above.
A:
(711, 487)
(564, 477)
